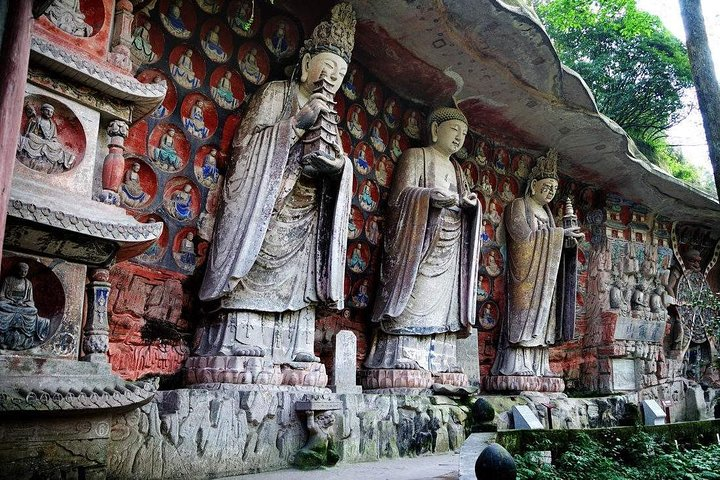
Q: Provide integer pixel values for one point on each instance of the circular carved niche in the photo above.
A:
(82, 19)
(32, 306)
(157, 250)
(152, 75)
(52, 139)
(181, 199)
(188, 249)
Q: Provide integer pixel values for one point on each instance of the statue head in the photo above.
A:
(190, 236)
(543, 180)
(187, 188)
(448, 128)
(47, 110)
(692, 259)
(135, 167)
(325, 420)
(327, 51)
(23, 269)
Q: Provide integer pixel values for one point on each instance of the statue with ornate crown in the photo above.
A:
(280, 238)
(541, 285)
(429, 274)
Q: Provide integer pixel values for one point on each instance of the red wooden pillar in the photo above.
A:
(14, 60)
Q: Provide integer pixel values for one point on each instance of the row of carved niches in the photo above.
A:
(78, 24)
(176, 157)
(41, 303)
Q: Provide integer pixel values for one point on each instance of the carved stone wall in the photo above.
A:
(183, 433)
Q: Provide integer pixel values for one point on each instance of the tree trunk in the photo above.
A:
(706, 85)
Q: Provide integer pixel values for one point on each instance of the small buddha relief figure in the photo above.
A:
(212, 47)
(541, 286)
(66, 15)
(183, 71)
(39, 147)
(250, 68)
(20, 325)
(165, 153)
(180, 203)
(131, 192)
(431, 241)
(209, 169)
(222, 92)
(173, 21)
(187, 257)
(195, 122)
(141, 47)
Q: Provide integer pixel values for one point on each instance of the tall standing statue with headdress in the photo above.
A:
(429, 274)
(541, 286)
(280, 237)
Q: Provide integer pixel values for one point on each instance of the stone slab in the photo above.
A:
(653, 413)
(344, 374)
(467, 357)
(470, 451)
(525, 419)
(623, 374)
(639, 330)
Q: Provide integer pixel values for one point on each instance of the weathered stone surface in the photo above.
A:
(226, 431)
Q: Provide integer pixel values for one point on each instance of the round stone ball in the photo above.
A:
(495, 463)
(482, 411)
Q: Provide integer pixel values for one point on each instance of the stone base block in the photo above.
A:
(233, 369)
(455, 379)
(309, 374)
(382, 378)
(516, 383)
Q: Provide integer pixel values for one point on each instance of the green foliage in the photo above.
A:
(635, 67)
(641, 457)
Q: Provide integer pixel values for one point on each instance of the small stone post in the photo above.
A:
(95, 334)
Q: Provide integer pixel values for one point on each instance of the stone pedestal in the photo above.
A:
(253, 371)
(455, 379)
(517, 383)
(383, 379)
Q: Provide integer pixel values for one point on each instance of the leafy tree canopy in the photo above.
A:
(635, 67)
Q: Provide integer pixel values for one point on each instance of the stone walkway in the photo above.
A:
(432, 467)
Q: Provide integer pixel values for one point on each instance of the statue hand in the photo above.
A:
(443, 198)
(309, 113)
(469, 200)
(573, 233)
(319, 163)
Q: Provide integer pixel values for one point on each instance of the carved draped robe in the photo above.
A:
(427, 297)
(541, 287)
(281, 237)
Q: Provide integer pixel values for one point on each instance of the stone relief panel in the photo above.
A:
(57, 142)
(52, 139)
(83, 25)
(148, 334)
(40, 306)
